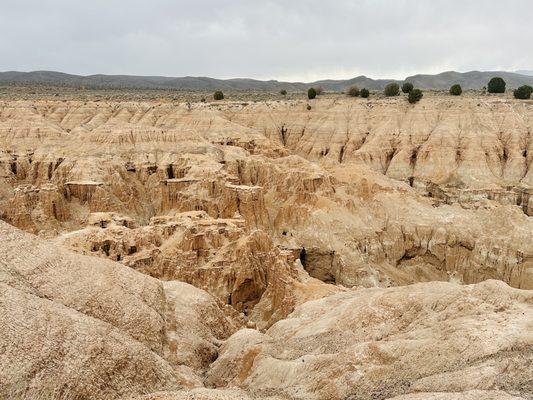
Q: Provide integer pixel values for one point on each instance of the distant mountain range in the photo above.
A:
(442, 81)
(525, 72)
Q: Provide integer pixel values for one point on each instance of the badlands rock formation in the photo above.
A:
(378, 343)
(241, 268)
(371, 193)
(79, 327)
(261, 250)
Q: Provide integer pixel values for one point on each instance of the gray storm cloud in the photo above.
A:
(296, 40)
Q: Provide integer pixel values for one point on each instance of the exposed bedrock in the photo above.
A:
(78, 327)
(448, 213)
(239, 266)
(380, 343)
(483, 144)
(363, 249)
(385, 235)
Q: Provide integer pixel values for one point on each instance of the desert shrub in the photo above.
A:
(415, 95)
(392, 89)
(311, 93)
(364, 93)
(218, 95)
(308, 107)
(496, 85)
(456, 90)
(353, 91)
(202, 99)
(283, 92)
(319, 90)
(523, 92)
(407, 87)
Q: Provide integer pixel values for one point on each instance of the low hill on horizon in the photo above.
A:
(442, 81)
(524, 72)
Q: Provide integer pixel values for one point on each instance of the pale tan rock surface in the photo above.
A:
(469, 395)
(208, 218)
(231, 394)
(62, 161)
(206, 394)
(278, 166)
(74, 326)
(378, 343)
(470, 142)
(241, 267)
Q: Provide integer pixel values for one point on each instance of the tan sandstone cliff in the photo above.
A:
(362, 249)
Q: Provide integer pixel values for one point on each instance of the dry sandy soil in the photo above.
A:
(362, 249)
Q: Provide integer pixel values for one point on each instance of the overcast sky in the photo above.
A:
(279, 39)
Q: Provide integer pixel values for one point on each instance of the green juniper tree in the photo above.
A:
(392, 89)
(456, 90)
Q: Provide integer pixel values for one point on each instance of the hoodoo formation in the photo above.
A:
(359, 249)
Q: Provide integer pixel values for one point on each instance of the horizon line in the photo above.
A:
(256, 79)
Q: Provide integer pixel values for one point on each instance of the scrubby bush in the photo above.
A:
(496, 85)
(364, 93)
(392, 89)
(311, 93)
(353, 91)
(415, 95)
(319, 90)
(456, 90)
(407, 87)
(218, 95)
(523, 92)
(283, 92)
(308, 107)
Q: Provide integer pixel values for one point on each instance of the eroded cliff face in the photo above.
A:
(477, 146)
(79, 327)
(74, 326)
(239, 266)
(261, 251)
(380, 343)
(369, 193)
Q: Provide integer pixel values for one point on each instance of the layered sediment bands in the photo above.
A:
(89, 327)
(219, 198)
(381, 343)
(426, 253)
(242, 268)
(83, 191)
(466, 143)
(521, 197)
(93, 327)
(377, 192)
(263, 251)
(28, 206)
(405, 239)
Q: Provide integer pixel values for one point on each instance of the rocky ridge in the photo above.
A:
(76, 326)
(256, 250)
(344, 169)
